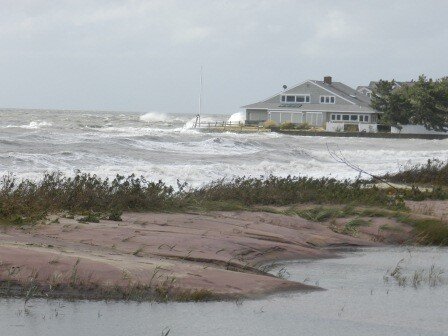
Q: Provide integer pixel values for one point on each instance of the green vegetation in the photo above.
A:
(351, 228)
(115, 215)
(90, 218)
(427, 231)
(91, 290)
(269, 124)
(291, 126)
(351, 128)
(303, 126)
(27, 201)
(287, 126)
(423, 102)
(434, 172)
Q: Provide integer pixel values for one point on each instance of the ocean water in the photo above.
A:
(162, 146)
(357, 301)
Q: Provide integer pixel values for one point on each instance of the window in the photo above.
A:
(350, 117)
(327, 99)
(303, 98)
(299, 98)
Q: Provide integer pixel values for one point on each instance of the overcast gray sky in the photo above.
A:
(146, 55)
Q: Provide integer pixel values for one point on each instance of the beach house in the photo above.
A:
(323, 104)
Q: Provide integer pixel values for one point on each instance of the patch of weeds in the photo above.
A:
(432, 277)
(319, 214)
(90, 218)
(74, 273)
(351, 228)
(434, 172)
(115, 215)
(198, 295)
(427, 231)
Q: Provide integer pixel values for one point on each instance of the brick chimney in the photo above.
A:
(327, 80)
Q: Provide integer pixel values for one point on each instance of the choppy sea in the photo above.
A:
(167, 147)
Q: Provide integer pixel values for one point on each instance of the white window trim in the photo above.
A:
(358, 121)
(334, 99)
(296, 95)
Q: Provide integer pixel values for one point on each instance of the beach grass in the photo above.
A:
(24, 201)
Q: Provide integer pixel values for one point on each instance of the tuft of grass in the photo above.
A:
(351, 228)
(115, 215)
(434, 172)
(427, 231)
(90, 218)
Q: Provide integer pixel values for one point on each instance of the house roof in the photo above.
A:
(346, 92)
(356, 102)
(373, 84)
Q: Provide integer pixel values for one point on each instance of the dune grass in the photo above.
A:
(25, 201)
(434, 172)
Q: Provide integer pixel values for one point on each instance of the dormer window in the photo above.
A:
(298, 98)
(327, 99)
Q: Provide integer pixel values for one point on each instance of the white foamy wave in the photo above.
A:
(31, 125)
(160, 117)
(191, 124)
(237, 117)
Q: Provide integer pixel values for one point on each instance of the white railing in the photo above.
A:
(217, 124)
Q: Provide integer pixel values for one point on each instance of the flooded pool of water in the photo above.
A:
(362, 298)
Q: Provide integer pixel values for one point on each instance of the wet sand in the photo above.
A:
(219, 252)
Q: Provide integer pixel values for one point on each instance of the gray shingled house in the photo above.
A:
(325, 104)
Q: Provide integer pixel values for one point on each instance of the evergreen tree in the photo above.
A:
(394, 103)
(429, 100)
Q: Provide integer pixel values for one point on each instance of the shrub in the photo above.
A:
(269, 124)
(115, 215)
(303, 126)
(351, 128)
(287, 126)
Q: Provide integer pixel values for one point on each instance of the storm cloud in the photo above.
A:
(146, 55)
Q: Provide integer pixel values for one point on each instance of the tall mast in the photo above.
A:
(198, 116)
(200, 95)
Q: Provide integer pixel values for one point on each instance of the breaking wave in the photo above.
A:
(161, 117)
(31, 125)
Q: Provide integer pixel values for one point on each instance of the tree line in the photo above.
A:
(422, 102)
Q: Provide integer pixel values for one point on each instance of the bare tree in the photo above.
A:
(339, 157)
